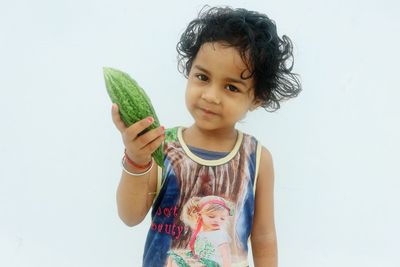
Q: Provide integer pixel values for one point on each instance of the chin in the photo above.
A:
(206, 126)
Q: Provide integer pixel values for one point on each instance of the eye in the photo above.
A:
(232, 88)
(202, 77)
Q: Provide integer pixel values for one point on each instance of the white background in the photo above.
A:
(335, 147)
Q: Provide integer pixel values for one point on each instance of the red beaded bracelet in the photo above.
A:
(134, 164)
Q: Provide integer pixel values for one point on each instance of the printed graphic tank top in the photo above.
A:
(203, 211)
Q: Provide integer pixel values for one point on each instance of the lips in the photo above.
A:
(208, 111)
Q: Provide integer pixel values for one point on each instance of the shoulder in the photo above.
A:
(264, 180)
(263, 156)
(250, 143)
(266, 168)
(266, 156)
(263, 224)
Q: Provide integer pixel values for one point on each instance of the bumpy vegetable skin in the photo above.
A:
(133, 103)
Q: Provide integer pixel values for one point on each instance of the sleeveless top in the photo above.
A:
(204, 205)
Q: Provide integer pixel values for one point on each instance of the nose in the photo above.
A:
(211, 94)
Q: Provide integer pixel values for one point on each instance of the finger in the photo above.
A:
(153, 145)
(135, 129)
(150, 136)
(117, 118)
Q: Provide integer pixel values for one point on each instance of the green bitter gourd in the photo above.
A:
(133, 103)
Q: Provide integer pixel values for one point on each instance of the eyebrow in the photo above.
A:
(228, 79)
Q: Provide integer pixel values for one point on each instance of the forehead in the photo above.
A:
(214, 209)
(221, 59)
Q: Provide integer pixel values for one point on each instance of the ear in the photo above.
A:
(256, 103)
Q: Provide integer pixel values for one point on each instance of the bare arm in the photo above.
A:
(135, 194)
(263, 234)
(225, 255)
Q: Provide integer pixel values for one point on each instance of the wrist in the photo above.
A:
(135, 164)
(135, 172)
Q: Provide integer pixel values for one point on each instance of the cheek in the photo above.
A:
(207, 222)
(236, 110)
(192, 95)
(188, 97)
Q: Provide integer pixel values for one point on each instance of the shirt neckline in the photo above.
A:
(208, 162)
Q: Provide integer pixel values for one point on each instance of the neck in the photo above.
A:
(222, 140)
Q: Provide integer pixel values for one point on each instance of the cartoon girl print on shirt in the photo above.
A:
(207, 217)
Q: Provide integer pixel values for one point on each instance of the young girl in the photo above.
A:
(207, 217)
(234, 62)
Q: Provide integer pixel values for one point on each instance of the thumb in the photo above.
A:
(117, 118)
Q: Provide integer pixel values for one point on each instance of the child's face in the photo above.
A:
(216, 96)
(214, 220)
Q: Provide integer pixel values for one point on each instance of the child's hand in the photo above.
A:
(138, 147)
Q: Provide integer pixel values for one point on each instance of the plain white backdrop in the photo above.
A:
(335, 147)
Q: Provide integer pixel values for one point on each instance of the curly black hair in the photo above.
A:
(268, 57)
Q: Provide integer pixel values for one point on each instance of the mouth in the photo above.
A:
(208, 111)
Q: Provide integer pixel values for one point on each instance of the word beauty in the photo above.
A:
(168, 228)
